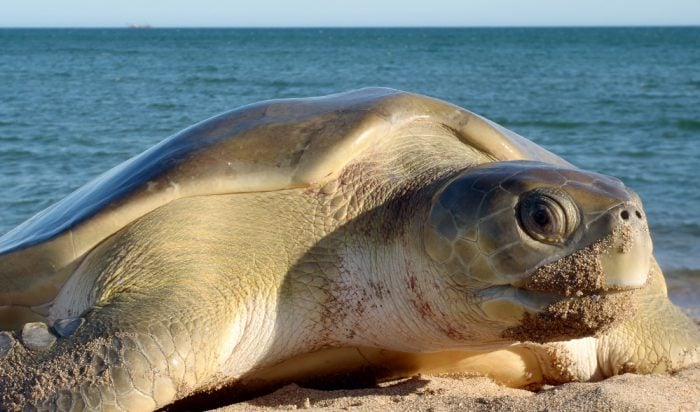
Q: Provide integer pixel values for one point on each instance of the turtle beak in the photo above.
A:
(627, 260)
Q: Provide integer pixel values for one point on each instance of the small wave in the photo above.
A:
(209, 69)
(553, 124)
(684, 274)
(688, 124)
(210, 80)
(435, 49)
(641, 154)
(14, 154)
(684, 290)
(279, 83)
(162, 106)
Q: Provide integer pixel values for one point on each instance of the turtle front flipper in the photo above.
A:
(658, 338)
(125, 355)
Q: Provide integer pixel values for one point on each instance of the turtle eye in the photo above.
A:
(547, 215)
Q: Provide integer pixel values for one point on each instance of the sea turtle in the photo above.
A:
(372, 234)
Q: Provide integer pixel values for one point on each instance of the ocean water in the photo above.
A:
(621, 101)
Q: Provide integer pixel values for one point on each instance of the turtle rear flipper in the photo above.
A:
(124, 355)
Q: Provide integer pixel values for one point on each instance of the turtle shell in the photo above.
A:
(267, 146)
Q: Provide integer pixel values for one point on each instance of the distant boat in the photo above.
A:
(140, 26)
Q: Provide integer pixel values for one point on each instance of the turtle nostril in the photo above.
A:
(625, 215)
(638, 213)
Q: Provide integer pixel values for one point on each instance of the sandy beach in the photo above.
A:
(678, 392)
(629, 392)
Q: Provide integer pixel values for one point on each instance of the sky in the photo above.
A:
(343, 13)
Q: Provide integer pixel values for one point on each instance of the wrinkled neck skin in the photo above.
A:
(366, 280)
(387, 292)
(390, 294)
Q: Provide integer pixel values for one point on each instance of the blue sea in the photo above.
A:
(621, 101)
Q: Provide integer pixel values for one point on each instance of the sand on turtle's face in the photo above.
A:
(587, 307)
(575, 317)
(582, 271)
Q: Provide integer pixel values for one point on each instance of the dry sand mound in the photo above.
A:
(679, 392)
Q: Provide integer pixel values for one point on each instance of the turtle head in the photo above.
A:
(528, 239)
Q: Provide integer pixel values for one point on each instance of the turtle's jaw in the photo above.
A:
(509, 305)
(529, 315)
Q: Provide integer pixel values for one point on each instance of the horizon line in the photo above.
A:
(147, 26)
